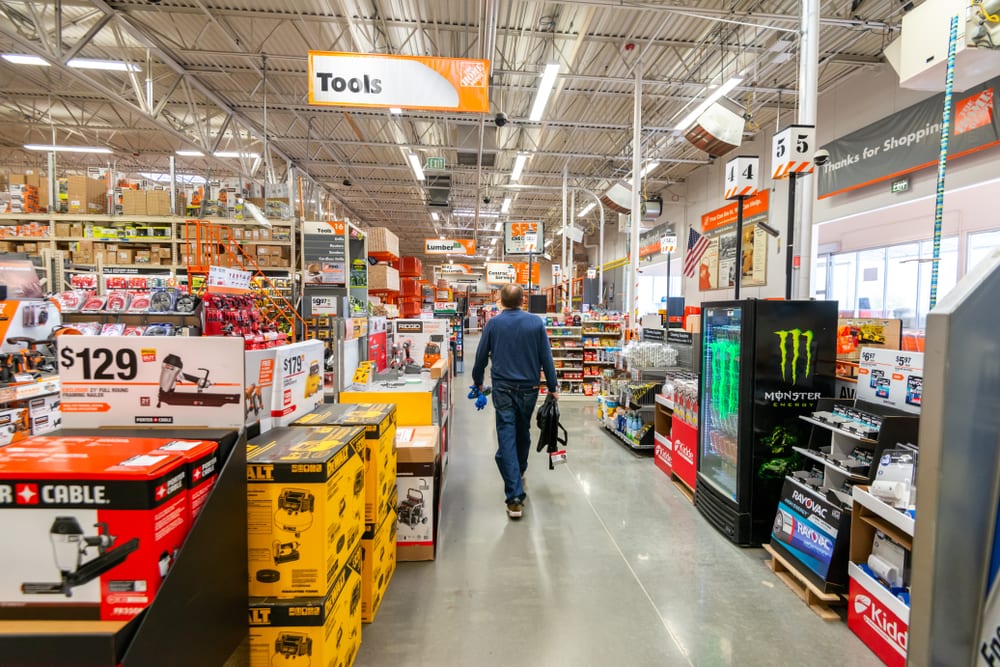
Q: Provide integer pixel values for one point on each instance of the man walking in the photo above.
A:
(519, 348)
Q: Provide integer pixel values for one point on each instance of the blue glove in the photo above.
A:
(480, 396)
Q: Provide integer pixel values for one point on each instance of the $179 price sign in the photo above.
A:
(99, 363)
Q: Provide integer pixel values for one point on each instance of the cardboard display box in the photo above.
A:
(310, 631)
(96, 536)
(419, 491)
(14, 425)
(379, 422)
(298, 381)
(425, 340)
(305, 508)
(378, 548)
(260, 366)
(417, 404)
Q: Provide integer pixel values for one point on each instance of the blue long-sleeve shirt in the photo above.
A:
(519, 348)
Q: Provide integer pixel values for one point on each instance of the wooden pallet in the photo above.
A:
(682, 485)
(821, 603)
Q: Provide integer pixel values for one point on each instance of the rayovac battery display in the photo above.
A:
(802, 535)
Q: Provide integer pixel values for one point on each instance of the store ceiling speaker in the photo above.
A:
(652, 208)
(438, 190)
(717, 131)
(618, 197)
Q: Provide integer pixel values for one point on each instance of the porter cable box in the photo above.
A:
(419, 490)
(88, 537)
(379, 422)
(312, 630)
(305, 508)
(201, 458)
(378, 548)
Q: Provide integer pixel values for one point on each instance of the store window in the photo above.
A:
(947, 274)
(871, 282)
(843, 281)
(819, 276)
(902, 274)
(980, 246)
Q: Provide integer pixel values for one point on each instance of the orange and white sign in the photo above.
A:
(502, 273)
(407, 82)
(449, 247)
(726, 215)
(522, 238)
(455, 268)
(792, 150)
(742, 175)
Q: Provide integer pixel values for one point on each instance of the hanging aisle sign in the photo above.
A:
(407, 82)
(449, 247)
(668, 244)
(522, 238)
(792, 151)
(742, 176)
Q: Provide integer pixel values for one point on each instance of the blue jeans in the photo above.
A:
(514, 406)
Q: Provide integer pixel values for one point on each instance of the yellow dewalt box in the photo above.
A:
(312, 630)
(415, 404)
(378, 562)
(379, 422)
(305, 508)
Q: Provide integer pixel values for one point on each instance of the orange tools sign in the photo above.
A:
(726, 215)
(449, 247)
(408, 82)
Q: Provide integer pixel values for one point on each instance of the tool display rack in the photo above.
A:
(567, 353)
(828, 446)
(51, 243)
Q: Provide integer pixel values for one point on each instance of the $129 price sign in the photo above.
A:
(100, 363)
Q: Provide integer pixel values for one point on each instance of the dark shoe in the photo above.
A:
(514, 510)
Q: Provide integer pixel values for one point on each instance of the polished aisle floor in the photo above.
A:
(610, 565)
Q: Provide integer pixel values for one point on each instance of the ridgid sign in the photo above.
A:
(910, 140)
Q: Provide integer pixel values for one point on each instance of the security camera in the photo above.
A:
(501, 119)
(347, 183)
(486, 199)
(821, 157)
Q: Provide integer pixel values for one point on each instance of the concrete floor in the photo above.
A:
(610, 564)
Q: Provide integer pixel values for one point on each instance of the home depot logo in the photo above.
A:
(877, 618)
(795, 339)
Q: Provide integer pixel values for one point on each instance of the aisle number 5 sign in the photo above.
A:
(792, 150)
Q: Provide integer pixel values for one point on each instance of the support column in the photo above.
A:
(633, 275)
(565, 196)
(808, 96)
(173, 185)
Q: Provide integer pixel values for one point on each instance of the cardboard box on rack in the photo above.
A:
(320, 630)
(85, 195)
(418, 489)
(383, 277)
(378, 549)
(305, 508)
(379, 422)
(134, 507)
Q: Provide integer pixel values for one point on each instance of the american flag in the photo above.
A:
(697, 245)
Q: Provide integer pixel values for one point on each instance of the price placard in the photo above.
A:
(522, 238)
(151, 381)
(742, 176)
(792, 150)
(894, 378)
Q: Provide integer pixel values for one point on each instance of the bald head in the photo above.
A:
(511, 296)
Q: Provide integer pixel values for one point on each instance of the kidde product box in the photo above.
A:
(379, 422)
(417, 491)
(305, 508)
(260, 366)
(94, 539)
(378, 553)
(421, 342)
(310, 631)
(298, 381)
(878, 618)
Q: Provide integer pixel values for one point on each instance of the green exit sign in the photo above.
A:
(435, 164)
(900, 185)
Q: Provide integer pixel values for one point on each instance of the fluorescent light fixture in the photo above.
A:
(519, 162)
(24, 59)
(190, 153)
(249, 156)
(498, 227)
(441, 237)
(52, 148)
(256, 214)
(108, 65)
(395, 110)
(548, 243)
(469, 213)
(505, 206)
(434, 216)
(689, 119)
(494, 241)
(418, 171)
(650, 166)
(544, 91)
(586, 209)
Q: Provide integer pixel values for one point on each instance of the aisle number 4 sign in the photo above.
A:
(792, 150)
(742, 176)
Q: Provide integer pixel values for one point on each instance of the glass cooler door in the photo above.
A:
(720, 420)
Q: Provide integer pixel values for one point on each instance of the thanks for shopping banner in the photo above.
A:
(910, 140)
(407, 82)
